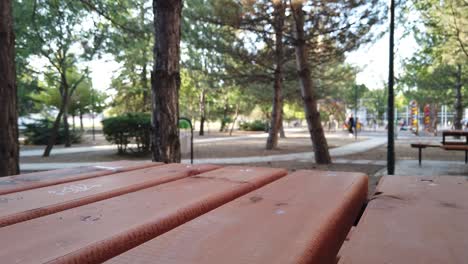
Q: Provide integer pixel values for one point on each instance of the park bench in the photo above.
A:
(412, 220)
(420, 147)
(446, 145)
(256, 215)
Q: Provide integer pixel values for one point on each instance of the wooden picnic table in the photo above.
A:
(456, 145)
(454, 133)
(446, 145)
(412, 220)
(179, 213)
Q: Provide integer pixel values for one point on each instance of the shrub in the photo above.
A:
(129, 128)
(256, 125)
(38, 133)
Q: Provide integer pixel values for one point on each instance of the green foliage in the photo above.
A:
(376, 102)
(257, 125)
(129, 128)
(84, 99)
(428, 81)
(38, 133)
(293, 112)
(444, 33)
(430, 75)
(131, 43)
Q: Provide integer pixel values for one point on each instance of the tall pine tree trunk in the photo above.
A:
(458, 99)
(322, 156)
(165, 80)
(202, 112)
(9, 148)
(272, 140)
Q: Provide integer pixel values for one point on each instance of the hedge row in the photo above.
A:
(256, 125)
(129, 128)
(38, 133)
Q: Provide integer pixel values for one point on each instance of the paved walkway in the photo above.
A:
(72, 150)
(59, 150)
(348, 149)
(306, 157)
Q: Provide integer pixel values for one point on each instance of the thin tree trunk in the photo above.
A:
(322, 156)
(458, 100)
(81, 121)
(9, 147)
(202, 112)
(225, 114)
(53, 134)
(144, 72)
(56, 127)
(236, 115)
(279, 13)
(73, 123)
(165, 80)
(282, 133)
(144, 86)
(66, 126)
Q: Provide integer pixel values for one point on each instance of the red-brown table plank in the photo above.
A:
(413, 220)
(21, 206)
(95, 232)
(301, 218)
(34, 180)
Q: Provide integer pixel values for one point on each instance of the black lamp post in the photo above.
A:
(92, 114)
(391, 103)
(355, 111)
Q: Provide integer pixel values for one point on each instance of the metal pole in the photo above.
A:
(92, 113)
(445, 116)
(396, 126)
(355, 111)
(407, 115)
(391, 102)
(191, 143)
(191, 137)
(442, 125)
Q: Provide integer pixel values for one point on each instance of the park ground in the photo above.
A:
(294, 153)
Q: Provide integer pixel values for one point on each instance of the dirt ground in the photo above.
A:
(294, 143)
